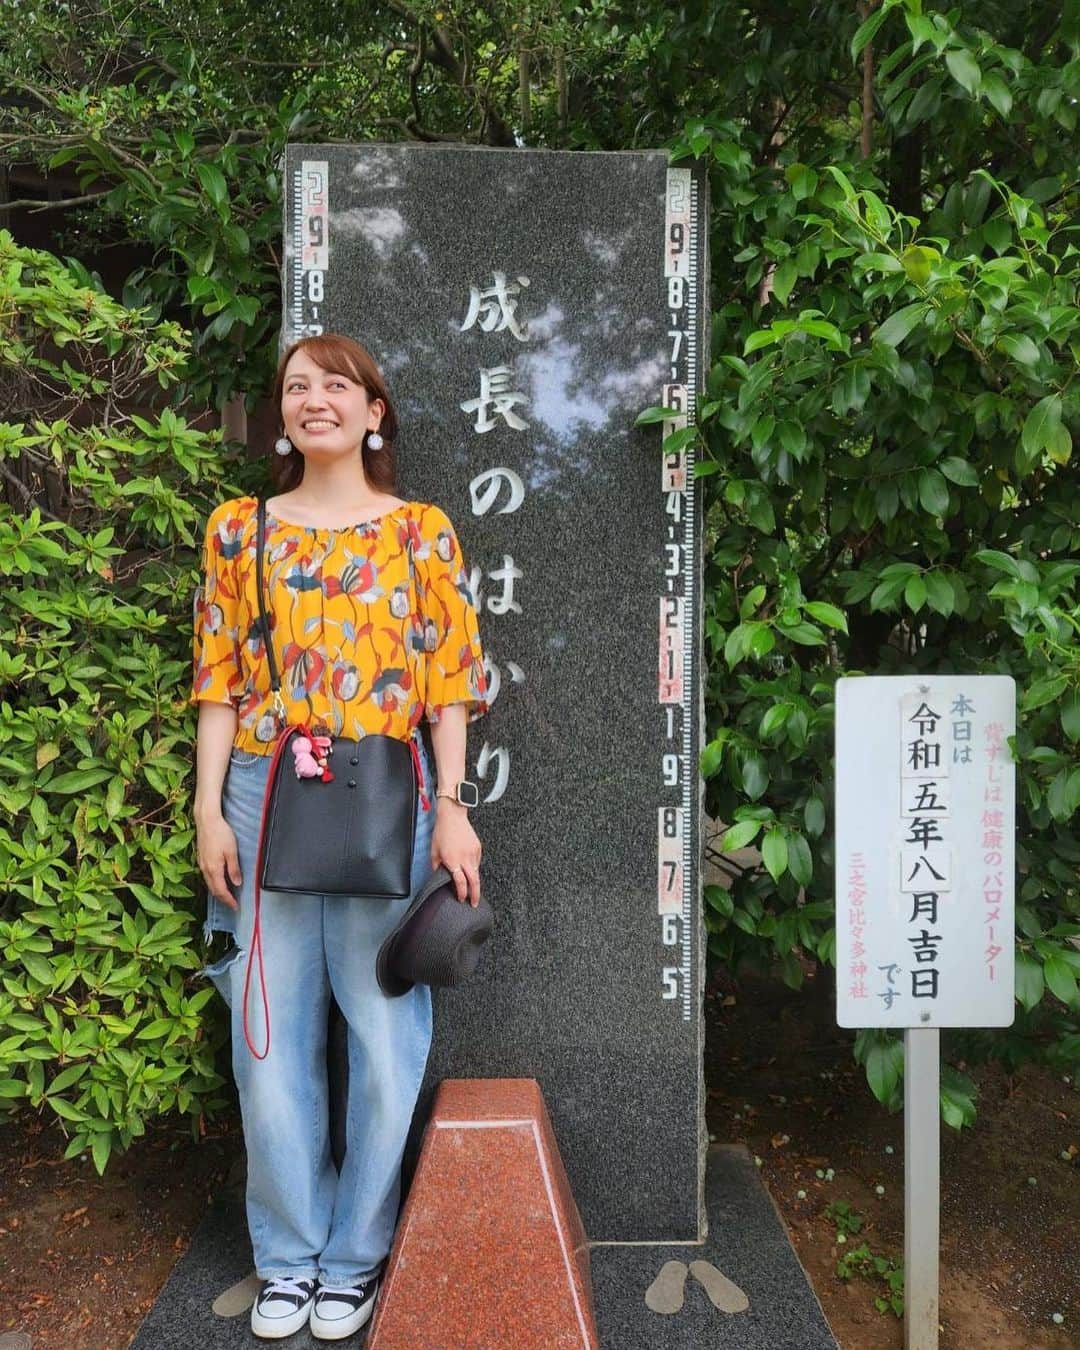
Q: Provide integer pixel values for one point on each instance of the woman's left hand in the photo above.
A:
(455, 845)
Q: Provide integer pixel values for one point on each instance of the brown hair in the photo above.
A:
(344, 356)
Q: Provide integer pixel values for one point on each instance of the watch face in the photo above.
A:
(468, 794)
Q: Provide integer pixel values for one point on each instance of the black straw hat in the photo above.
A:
(437, 940)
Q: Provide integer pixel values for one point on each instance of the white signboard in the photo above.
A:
(925, 819)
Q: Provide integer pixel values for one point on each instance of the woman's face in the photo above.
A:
(325, 413)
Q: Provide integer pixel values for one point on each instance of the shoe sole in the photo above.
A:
(279, 1328)
(340, 1328)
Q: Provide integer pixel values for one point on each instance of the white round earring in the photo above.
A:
(375, 441)
(283, 445)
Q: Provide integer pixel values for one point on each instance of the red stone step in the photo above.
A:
(490, 1252)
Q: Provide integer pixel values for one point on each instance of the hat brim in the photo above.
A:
(391, 983)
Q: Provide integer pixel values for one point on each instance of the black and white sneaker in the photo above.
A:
(283, 1306)
(339, 1312)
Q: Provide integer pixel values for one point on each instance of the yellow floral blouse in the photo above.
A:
(357, 645)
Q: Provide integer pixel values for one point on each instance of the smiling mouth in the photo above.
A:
(319, 424)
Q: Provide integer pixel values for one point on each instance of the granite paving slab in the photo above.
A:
(747, 1244)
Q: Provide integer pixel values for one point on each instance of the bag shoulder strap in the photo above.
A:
(264, 622)
(414, 599)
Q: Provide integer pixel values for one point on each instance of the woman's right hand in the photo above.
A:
(217, 855)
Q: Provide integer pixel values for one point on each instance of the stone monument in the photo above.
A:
(525, 307)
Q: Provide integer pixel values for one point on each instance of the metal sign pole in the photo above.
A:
(922, 1167)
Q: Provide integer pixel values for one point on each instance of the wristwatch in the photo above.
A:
(465, 793)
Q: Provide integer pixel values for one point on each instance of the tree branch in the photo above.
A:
(28, 494)
(35, 206)
(866, 138)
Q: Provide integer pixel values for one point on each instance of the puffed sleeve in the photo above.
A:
(454, 664)
(218, 673)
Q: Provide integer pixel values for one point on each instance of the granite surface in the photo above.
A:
(490, 1249)
(569, 759)
(747, 1242)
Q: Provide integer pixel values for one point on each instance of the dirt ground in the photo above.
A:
(781, 1079)
(82, 1257)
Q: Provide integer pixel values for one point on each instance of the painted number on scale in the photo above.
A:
(314, 215)
(677, 221)
(672, 632)
(669, 886)
(673, 465)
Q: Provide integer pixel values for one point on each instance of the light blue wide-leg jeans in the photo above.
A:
(304, 1219)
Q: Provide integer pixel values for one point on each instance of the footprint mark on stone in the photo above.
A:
(665, 1294)
(238, 1298)
(723, 1294)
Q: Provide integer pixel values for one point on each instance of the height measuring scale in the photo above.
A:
(311, 248)
(678, 826)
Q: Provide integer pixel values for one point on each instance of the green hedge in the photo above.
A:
(101, 1023)
(886, 447)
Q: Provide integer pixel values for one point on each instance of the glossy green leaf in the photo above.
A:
(957, 1095)
(41, 969)
(1029, 980)
(814, 816)
(827, 614)
(885, 1068)
(212, 181)
(649, 416)
(799, 859)
(958, 471)
(711, 757)
(1060, 980)
(718, 899)
(78, 780)
(997, 91)
(867, 30)
(1040, 423)
(918, 262)
(774, 853)
(915, 594)
(738, 836)
(964, 69)
(1043, 691)
(784, 279)
(939, 593)
(1020, 348)
(100, 1150)
(1070, 715)
(933, 492)
(899, 325)
(755, 777)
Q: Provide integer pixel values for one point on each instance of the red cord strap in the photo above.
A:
(256, 934)
(419, 774)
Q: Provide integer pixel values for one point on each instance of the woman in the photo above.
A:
(363, 651)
